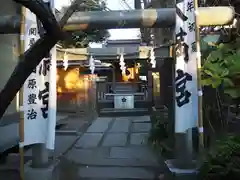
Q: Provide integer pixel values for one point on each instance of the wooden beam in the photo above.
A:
(79, 54)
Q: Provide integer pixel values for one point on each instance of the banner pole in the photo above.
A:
(20, 94)
(198, 64)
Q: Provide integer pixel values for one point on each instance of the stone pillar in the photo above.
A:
(163, 85)
(113, 79)
(150, 89)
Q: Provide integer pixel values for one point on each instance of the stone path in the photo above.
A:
(66, 137)
(9, 140)
(113, 148)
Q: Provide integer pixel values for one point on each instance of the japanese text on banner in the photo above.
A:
(186, 72)
(36, 88)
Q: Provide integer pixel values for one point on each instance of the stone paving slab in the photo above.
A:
(103, 152)
(141, 119)
(100, 157)
(123, 118)
(120, 125)
(62, 144)
(142, 153)
(9, 136)
(89, 140)
(73, 124)
(115, 139)
(141, 127)
(139, 138)
(116, 172)
(78, 154)
(61, 117)
(100, 125)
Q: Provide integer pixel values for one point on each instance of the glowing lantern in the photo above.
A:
(122, 64)
(152, 58)
(65, 61)
(92, 64)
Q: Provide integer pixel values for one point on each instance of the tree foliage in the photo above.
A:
(222, 161)
(221, 68)
(81, 39)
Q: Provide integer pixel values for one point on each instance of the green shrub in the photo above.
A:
(159, 130)
(159, 134)
(221, 69)
(223, 161)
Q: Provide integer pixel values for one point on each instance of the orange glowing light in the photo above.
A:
(130, 76)
(69, 80)
(72, 86)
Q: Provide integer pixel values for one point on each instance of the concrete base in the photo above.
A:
(51, 172)
(180, 173)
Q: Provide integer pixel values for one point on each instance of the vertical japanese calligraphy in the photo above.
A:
(44, 67)
(186, 72)
(190, 13)
(31, 84)
(44, 96)
(37, 80)
(37, 87)
(182, 95)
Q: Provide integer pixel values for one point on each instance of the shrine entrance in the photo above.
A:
(118, 141)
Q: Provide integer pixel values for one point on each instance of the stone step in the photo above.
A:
(107, 110)
(127, 173)
(117, 157)
(68, 132)
(111, 112)
(62, 145)
(143, 153)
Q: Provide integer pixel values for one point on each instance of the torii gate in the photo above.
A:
(151, 18)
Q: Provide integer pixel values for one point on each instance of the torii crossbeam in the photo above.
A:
(152, 18)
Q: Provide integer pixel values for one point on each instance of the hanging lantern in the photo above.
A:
(152, 58)
(122, 64)
(65, 61)
(92, 64)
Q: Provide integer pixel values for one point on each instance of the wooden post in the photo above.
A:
(20, 94)
(113, 79)
(150, 89)
(198, 64)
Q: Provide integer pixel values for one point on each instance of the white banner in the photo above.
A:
(39, 92)
(186, 102)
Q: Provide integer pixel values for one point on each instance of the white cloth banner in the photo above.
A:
(39, 91)
(186, 102)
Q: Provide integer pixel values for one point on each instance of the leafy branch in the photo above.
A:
(221, 68)
(80, 39)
